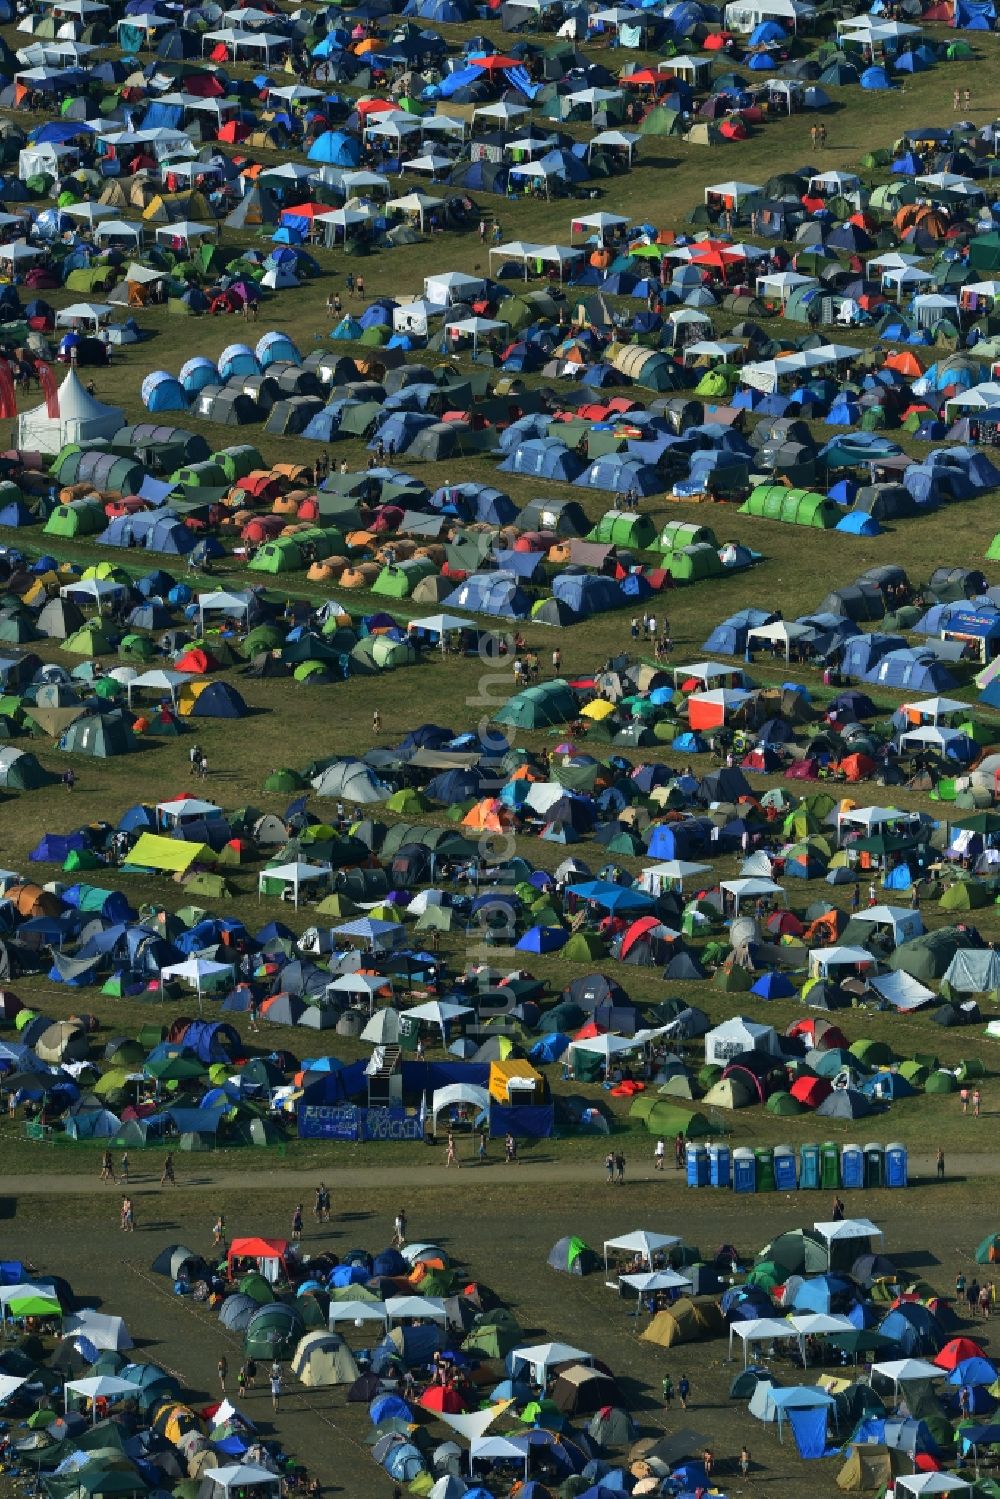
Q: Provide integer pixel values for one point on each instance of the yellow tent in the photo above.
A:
(599, 709)
(189, 695)
(171, 855)
(529, 1085)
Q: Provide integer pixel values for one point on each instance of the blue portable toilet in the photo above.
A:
(720, 1166)
(874, 1164)
(697, 1166)
(784, 1168)
(744, 1170)
(895, 1165)
(808, 1168)
(852, 1167)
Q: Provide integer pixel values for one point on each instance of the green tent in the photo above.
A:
(988, 1252)
(624, 528)
(79, 518)
(550, 703)
(690, 563)
(670, 1119)
(800, 507)
(677, 534)
(89, 640)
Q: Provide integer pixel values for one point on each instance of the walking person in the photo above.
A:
(251, 1368)
(376, 722)
(745, 1461)
(194, 758)
(963, 1098)
(128, 1216)
(123, 1169)
(683, 1391)
(678, 1151)
(223, 1367)
(620, 1168)
(297, 1223)
(510, 1150)
(219, 1232)
(667, 1388)
(609, 1166)
(275, 1386)
(451, 1159)
(940, 1164)
(168, 1170)
(400, 1229)
(556, 661)
(241, 1381)
(977, 1099)
(659, 1154)
(484, 1136)
(108, 1167)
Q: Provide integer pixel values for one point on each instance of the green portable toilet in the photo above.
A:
(829, 1165)
(764, 1157)
(809, 1172)
(874, 1164)
(970, 1067)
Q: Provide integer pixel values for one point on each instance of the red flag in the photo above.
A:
(8, 400)
(49, 389)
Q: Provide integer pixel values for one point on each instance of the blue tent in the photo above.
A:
(875, 78)
(336, 149)
(543, 458)
(586, 593)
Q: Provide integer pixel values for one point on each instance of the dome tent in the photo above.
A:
(81, 419)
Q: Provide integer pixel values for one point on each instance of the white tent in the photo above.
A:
(901, 1371)
(749, 889)
(919, 1484)
(760, 1330)
(727, 1040)
(822, 960)
(100, 1330)
(357, 1311)
(99, 1387)
(900, 921)
(504, 1448)
(538, 1358)
(642, 1241)
(81, 419)
(241, 1476)
(293, 877)
(418, 1308)
(457, 1094)
(848, 1228)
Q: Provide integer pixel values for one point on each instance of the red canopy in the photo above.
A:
(257, 1249)
(495, 64)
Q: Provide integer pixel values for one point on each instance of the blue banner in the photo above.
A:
(348, 1122)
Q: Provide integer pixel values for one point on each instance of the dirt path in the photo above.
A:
(194, 1175)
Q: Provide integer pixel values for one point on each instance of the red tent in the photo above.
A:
(260, 1250)
(956, 1351)
(442, 1398)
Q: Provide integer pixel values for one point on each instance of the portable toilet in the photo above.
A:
(720, 1173)
(808, 1168)
(744, 1170)
(784, 1168)
(697, 1166)
(765, 1168)
(852, 1167)
(895, 1165)
(874, 1164)
(829, 1160)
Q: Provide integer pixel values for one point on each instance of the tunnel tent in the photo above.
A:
(800, 507)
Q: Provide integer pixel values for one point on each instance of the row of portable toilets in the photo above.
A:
(779, 1169)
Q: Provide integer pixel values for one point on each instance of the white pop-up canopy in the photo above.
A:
(100, 1387)
(294, 876)
(417, 1308)
(538, 1358)
(760, 1330)
(643, 1242)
